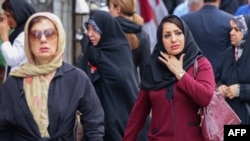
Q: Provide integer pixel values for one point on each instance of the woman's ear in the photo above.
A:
(118, 9)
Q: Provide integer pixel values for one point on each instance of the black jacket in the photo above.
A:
(69, 90)
(142, 53)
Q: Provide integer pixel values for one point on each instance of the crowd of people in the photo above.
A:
(122, 90)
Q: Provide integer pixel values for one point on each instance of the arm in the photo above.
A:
(138, 115)
(201, 88)
(4, 28)
(92, 113)
(14, 54)
(109, 63)
(244, 91)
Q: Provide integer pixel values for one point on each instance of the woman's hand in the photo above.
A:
(4, 29)
(222, 90)
(173, 64)
(230, 92)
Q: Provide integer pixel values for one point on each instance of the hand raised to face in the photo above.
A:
(4, 28)
(173, 64)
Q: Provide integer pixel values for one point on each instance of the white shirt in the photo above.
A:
(240, 50)
(14, 54)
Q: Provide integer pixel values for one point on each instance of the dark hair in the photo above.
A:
(36, 20)
(6, 6)
(176, 21)
(172, 19)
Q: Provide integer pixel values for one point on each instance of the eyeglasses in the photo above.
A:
(36, 35)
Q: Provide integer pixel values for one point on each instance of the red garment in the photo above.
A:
(176, 119)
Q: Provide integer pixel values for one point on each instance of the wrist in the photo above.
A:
(5, 38)
(180, 74)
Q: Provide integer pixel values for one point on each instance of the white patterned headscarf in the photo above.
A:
(241, 23)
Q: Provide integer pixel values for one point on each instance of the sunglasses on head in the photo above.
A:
(49, 33)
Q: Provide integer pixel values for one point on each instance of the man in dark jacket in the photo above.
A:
(210, 28)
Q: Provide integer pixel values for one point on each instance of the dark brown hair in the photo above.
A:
(37, 20)
(128, 8)
(34, 21)
(6, 6)
(176, 21)
(133, 40)
(172, 19)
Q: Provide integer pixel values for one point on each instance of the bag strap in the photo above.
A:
(196, 65)
(195, 74)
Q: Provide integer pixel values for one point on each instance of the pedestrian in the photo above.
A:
(211, 31)
(39, 100)
(233, 74)
(169, 88)
(16, 13)
(108, 63)
(131, 23)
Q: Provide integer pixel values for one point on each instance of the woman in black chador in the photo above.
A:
(108, 62)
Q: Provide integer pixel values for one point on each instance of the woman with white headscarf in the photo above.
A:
(233, 74)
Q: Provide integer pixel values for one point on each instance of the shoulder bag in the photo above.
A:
(217, 114)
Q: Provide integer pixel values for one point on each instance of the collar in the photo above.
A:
(209, 6)
(64, 69)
